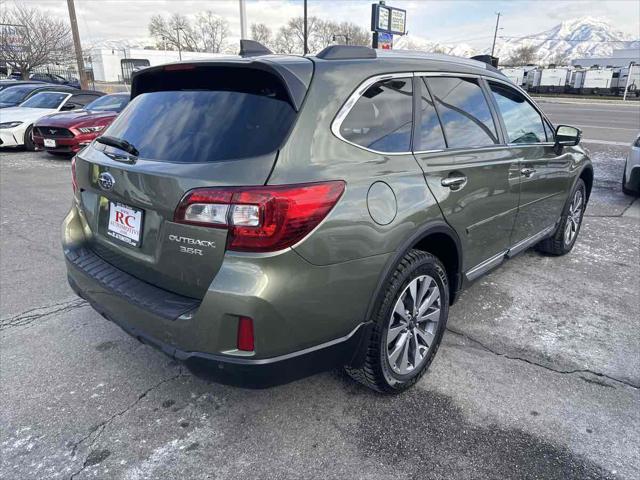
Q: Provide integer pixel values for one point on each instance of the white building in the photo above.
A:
(107, 62)
(619, 58)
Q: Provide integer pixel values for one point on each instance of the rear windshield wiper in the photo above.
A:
(118, 143)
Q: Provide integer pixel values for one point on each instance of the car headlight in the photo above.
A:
(10, 124)
(91, 129)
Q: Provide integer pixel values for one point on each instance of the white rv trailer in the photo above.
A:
(593, 81)
(548, 80)
(626, 77)
(515, 74)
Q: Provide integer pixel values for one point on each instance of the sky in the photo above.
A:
(456, 21)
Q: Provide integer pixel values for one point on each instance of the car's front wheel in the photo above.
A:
(29, 144)
(409, 321)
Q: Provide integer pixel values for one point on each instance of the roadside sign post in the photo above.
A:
(386, 22)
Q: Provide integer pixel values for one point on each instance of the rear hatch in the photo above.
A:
(209, 124)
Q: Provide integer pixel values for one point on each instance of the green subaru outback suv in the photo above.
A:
(265, 217)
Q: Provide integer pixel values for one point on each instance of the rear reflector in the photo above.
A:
(245, 334)
(261, 219)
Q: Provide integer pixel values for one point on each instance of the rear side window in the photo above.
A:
(382, 118)
(523, 122)
(217, 119)
(430, 136)
(464, 112)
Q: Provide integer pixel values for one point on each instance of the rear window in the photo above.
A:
(109, 103)
(213, 121)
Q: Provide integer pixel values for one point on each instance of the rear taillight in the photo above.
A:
(245, 334)
(74, 181)
(261, 219)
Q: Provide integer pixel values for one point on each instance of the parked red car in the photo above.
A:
(68, 132)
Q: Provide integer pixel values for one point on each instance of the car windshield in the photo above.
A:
(45, 100)
(15, 94)
(109, 103)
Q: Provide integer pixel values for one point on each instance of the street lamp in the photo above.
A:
(179, 48)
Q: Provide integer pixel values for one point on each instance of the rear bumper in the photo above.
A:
(294, 339)
(248, 373)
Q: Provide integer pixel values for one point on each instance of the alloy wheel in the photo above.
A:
(574, 217)
(413, 325)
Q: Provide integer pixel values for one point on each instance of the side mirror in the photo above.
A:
(67, 107)
(566, 136)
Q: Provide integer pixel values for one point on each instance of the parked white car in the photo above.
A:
(16, 123)
(631, 176)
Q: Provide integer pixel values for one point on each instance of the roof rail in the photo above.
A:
(346, 52)
(251, 48)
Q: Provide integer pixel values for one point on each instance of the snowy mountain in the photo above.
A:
(582, 37)
(413, 42)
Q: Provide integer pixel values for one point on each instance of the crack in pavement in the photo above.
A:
(101, 427)
(546, 367)
(25, 318)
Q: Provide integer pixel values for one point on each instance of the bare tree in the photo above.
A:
(356, 34)
(37, 40)
(173, 32)
(560, 58)
(321, 33)
(261, 33)
(286, 41)
(212, 31)
(524, 55)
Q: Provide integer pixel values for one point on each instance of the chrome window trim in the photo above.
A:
(351, 101)
(359, 91)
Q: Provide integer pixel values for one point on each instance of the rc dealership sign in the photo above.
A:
(387, 21)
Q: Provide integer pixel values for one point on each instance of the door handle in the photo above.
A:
(454, 182)
(527, 172)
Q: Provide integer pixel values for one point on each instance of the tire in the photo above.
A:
(561, 242)
(28, 139)
(384, 369)
(625, 190)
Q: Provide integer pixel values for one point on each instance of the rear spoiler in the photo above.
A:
(294, 72)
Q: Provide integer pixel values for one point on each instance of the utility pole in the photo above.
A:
(306, 33)
(495, 34)
(179, 48)
(76, 43)
(243, 19)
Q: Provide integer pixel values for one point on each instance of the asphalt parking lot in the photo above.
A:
(538, 375)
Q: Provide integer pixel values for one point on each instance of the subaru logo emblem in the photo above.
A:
(52, 131)
(106, 181)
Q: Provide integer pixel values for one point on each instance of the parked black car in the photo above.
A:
(57, 79)
(16, 94)
(12, 83)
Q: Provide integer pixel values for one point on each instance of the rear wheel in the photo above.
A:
(28, 139)
(564, 238)
(409, 322)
